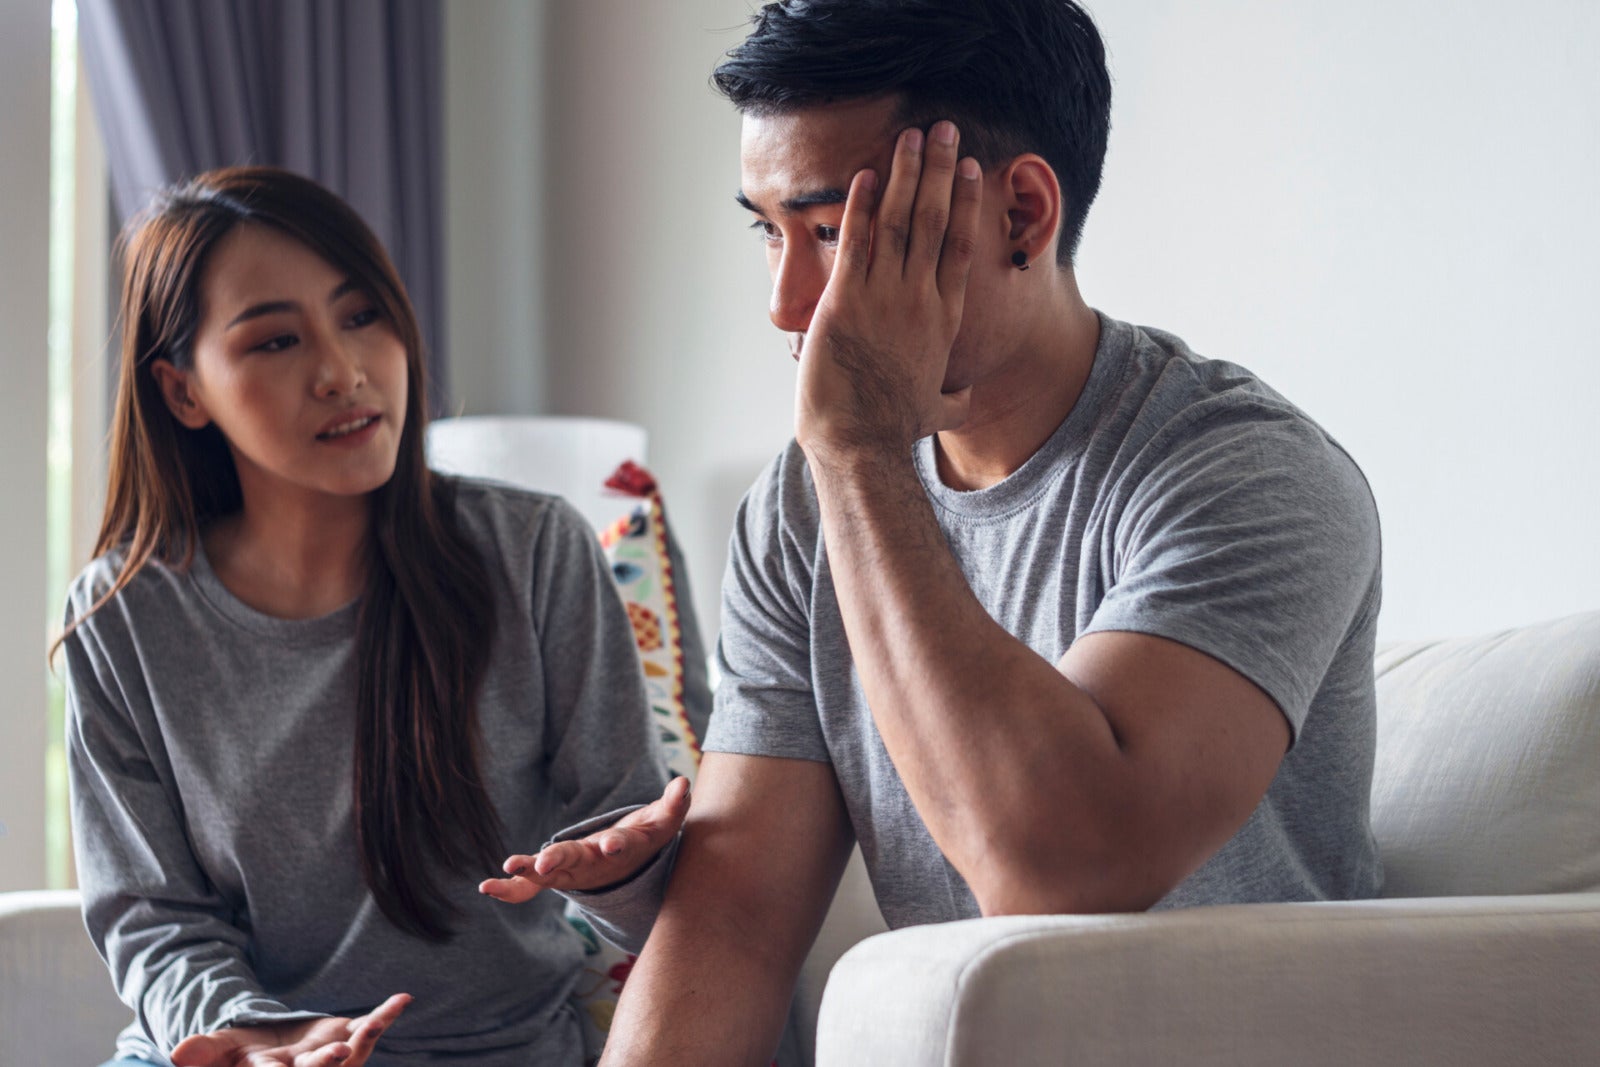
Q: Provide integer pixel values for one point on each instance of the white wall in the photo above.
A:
(655, 298)
(1386, 207)
(24, 247)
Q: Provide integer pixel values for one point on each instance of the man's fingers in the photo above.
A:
(855, 235)
(961, 238)
(932, 213)
(892, 231)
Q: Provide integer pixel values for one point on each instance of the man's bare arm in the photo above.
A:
(1094, 784)
(762, 852)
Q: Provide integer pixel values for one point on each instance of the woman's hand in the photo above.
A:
(603, 858)
(331, 1042)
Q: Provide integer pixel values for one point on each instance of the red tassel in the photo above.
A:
(632, 479)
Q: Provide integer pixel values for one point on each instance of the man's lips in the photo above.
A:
(348, 422)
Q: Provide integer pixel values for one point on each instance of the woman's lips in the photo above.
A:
(351, 428)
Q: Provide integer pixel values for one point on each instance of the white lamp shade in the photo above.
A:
(568, 456)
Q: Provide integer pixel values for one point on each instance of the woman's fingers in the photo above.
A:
(662, 817)
(365, 1031)
(201, 1050)
(605, 856)
(516, 887)
(333, 1054)
(614, 853)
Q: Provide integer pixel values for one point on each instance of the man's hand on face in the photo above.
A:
(332, 1042)
(603, 858)
(873, 364)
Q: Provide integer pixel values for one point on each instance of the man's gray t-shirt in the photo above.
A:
(1182, 498)
(210, 758)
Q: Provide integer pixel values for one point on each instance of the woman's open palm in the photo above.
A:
(330, 1042)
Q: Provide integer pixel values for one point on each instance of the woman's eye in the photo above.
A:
(277, 344)
(365, 317)
(769, 233)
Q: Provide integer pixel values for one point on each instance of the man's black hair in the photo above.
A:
(1014, 75)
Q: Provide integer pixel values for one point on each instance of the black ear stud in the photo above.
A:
(1019, 259)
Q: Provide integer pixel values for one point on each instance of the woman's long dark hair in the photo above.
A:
(426, 621)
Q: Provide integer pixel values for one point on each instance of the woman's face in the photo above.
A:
(296, 366)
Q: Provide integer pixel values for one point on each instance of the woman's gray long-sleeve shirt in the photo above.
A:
(210, 759)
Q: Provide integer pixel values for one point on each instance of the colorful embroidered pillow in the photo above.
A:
(649, 571)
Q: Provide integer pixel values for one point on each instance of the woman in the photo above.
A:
(315, 690)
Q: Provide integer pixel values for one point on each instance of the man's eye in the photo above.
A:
(769, 233)
(365, 317)
(828, 235)
(277, 344)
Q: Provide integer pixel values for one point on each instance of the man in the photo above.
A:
(1047, 612)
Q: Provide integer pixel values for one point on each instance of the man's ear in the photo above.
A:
(1034, 206)
(180, 398)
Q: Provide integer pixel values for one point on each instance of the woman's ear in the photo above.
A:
(177, 392)
(1034, 207)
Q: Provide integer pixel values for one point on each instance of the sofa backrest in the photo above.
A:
(1487, 778)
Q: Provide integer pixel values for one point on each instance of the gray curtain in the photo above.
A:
(347, 92)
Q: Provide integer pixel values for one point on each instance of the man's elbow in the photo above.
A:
(1039, 880)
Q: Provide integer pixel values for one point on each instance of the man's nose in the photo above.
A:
(797, 285)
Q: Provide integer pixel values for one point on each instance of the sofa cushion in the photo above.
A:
(1487, 778)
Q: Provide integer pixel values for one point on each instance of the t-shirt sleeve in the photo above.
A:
(1257, 543)
(177, 955)
(765, 702)
(600, 740)
(604, 758)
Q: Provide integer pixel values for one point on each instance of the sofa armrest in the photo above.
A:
(56, 1000)
(1422, 981)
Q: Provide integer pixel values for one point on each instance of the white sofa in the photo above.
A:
(1485, 949)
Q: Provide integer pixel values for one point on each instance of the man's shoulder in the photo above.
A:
(782, 501)
(1181, 408)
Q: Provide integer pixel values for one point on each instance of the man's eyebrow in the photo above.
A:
(273, 307)
(795, 204)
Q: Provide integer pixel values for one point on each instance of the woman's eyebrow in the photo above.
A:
(272, 307)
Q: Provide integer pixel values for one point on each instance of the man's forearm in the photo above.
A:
(757, 866)
(993, 743)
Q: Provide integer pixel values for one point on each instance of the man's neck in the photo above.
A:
(1016, 408)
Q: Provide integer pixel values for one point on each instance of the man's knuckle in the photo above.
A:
(961, 245)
